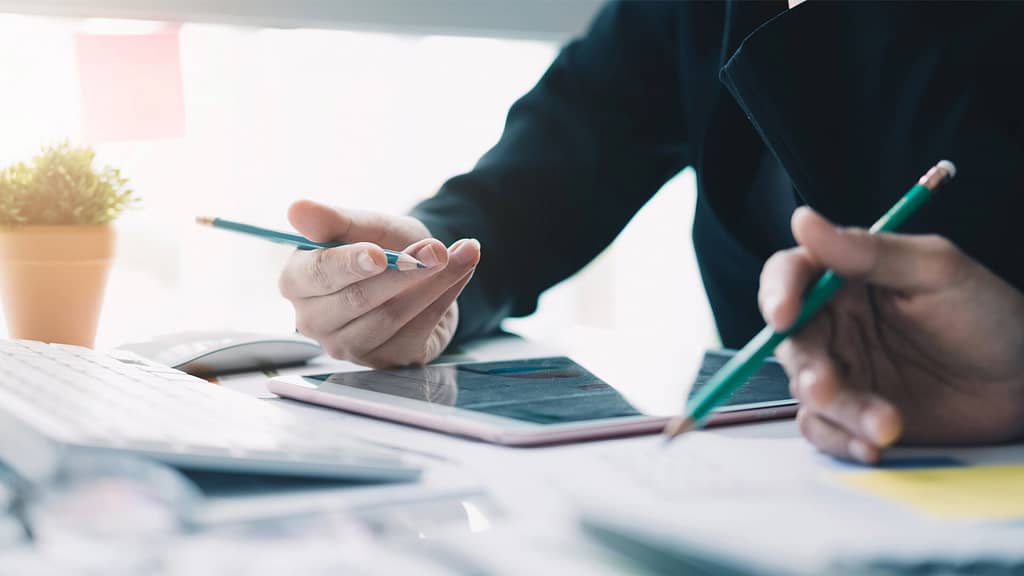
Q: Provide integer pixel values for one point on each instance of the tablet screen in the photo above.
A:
(537, 390)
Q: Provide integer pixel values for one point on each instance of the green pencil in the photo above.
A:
(741, 366)
(396, 260)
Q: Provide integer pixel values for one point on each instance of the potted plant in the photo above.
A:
(57, 243)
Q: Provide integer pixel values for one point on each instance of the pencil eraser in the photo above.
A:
(949, 167)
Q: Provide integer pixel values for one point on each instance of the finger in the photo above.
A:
(426, 336)
(784, 280)
(819, 385)
(833, 439)
(311, 273)
(860, 412)
(322, 223)
(815, 383)
(898, 261)
(330, 312)
(416, 342)
(373, 329)
(807, 350)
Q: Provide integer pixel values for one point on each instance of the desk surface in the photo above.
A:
(480, 507)
(530, 510)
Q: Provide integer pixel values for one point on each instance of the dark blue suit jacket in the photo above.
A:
(837, 105)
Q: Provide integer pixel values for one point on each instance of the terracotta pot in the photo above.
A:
(52, 280)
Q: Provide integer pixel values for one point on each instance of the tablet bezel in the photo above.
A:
(499, 429)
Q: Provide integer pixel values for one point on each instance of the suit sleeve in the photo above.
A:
(580, 153)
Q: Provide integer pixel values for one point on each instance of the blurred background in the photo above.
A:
(237, 109)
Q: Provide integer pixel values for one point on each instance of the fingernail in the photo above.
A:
(814, 391)
(462, 252)
(429, 255)
(771, 304)
(859, 451)
(367, 263)
(806, 381)
(875, 428)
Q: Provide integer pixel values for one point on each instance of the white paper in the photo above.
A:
(769, 504)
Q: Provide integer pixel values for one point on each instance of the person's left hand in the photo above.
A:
(922, 345)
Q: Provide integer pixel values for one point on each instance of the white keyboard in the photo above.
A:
(55, 397)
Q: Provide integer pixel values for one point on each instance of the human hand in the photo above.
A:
(922, 345)
(347, 299)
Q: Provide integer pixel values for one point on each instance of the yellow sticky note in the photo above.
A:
(958, 493)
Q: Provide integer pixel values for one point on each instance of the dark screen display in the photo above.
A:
(539, 390)
(768, 384)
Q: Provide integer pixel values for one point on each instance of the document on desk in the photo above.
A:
(706, 465)
(776, 505)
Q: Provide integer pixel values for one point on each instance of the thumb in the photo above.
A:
(898, 261)
(322, 223)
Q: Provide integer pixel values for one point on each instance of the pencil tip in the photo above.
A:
(676, 427)
(204, 220)
(407, 262)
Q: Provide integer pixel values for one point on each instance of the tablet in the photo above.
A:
(522, 402)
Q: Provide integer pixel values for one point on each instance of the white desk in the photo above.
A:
(536, 528)
(479, 509)
(535, 525)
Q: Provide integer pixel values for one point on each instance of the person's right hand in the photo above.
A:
(347, 299)
(923, 344)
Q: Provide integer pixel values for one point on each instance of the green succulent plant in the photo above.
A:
(60, 186)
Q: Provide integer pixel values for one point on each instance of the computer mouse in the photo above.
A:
(214, 353)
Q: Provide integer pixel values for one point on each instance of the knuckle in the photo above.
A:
(336, 348)
(359, 348)
(938, 244)
(946, 259)
(865, 245)
(392, 315)
(354, 297)
(856, 234)
(318, 269)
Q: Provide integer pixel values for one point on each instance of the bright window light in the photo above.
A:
(365, 120)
